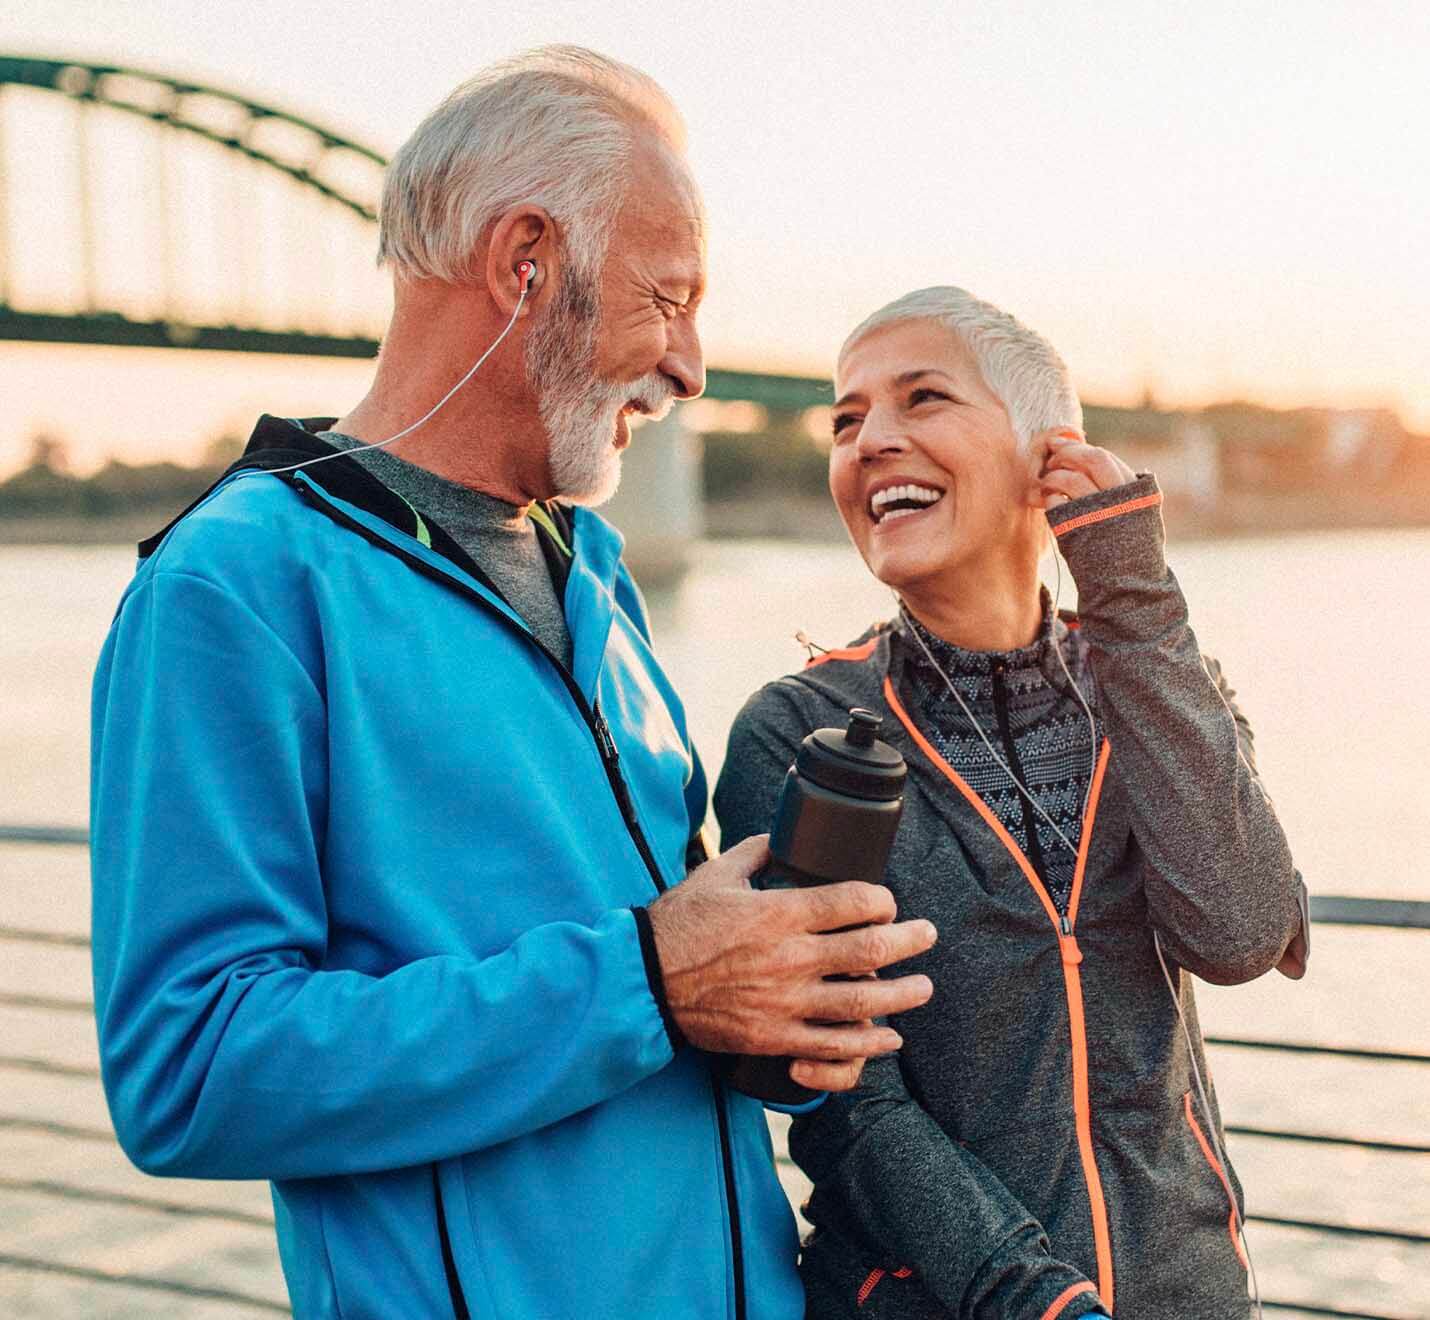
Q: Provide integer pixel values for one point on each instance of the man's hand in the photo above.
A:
(745, 969)
(1069, 467)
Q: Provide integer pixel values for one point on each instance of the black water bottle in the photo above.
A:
(837, 816)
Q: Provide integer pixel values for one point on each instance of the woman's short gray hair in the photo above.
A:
(1017, 364)
(554, 127)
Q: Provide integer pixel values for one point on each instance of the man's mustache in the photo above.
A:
(653, 396)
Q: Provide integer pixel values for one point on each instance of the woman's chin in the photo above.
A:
(901, 566)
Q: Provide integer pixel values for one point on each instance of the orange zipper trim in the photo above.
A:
(1072, 980)
(1220, 1173)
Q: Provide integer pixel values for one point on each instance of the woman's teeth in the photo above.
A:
(899, 501)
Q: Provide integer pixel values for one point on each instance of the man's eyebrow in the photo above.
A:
(902, 379)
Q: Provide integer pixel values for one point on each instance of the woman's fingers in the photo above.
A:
(1104, 469)
(1059, 486)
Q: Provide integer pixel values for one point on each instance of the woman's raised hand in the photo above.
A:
(1069, 467)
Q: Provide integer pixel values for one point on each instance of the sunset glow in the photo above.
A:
(1204, 204)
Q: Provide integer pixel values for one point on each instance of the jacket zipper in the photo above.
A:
(737, 1247)
(1064, 924)
(595, 720)
(611, 761)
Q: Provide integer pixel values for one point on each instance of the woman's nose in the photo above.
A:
(880, 436)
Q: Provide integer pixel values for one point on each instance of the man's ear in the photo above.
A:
(524, 233)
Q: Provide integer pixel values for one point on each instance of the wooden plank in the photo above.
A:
(67, 1039)
(52, 970)
(44, 888)
(123, 1241)
(101, 1170)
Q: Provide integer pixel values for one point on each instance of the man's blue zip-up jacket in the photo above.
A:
(369, 875)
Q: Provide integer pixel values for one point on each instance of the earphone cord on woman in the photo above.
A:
(426, 417)
(1156, 939)
(978, 728)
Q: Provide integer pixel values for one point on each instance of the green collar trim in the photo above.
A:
(421, 532)
(538, 514)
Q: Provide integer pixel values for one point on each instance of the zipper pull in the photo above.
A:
(604, 740)
(1065, 925)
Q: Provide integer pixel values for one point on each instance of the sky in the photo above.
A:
(1204, 201)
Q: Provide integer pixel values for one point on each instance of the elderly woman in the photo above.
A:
(1083, 823)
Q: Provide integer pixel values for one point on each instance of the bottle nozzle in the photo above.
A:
(863, 725)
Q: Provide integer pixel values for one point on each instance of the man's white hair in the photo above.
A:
(554, 127)
(1016, 363)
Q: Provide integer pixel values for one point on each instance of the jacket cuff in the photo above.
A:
(1021, 1278)
(1116, 532)
(656, 977)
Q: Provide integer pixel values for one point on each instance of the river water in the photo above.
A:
(1325, 638)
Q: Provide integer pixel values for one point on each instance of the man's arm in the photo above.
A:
(1221, 887)
(227, 1049)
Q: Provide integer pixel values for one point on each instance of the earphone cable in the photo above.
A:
(426, 417)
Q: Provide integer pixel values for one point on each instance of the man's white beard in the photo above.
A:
(578, 410)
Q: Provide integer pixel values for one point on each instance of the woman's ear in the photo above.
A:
(524, 233)
(1036, 454)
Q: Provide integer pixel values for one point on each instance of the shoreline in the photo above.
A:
(813, 520)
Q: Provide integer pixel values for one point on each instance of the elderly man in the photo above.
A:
(393, 804)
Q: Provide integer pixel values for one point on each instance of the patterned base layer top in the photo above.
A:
(1022, 701)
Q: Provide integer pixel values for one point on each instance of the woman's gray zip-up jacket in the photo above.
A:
(1036, 1150)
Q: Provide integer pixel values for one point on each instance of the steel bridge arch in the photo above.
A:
(180, 104)
(107, 85)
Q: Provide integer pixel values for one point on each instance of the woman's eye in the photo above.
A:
(923, 395)
(843, 422)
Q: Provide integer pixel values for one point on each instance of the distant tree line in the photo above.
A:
(47, 486)
(1260, 451)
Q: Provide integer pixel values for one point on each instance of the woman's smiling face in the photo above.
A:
(925, 469)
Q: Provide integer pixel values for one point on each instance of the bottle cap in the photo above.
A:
(853, 760)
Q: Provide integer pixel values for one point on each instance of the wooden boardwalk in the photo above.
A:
(84, 1234)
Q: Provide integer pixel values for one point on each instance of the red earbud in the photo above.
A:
(526, 272)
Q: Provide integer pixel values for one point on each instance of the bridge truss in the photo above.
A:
(164, 214)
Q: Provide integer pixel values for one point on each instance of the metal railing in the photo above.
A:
(1397, 914)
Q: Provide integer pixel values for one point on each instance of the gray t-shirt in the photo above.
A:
(498, 535)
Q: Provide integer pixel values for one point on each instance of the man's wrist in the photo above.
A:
(655, 976)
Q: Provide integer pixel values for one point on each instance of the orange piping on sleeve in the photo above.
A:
(1220, 1173)
(846, 653)
(1102, 515)
(1064, 1297)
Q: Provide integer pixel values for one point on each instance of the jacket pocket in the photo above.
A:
(1216, 1166)
(449, 1262)
(843, 1282)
